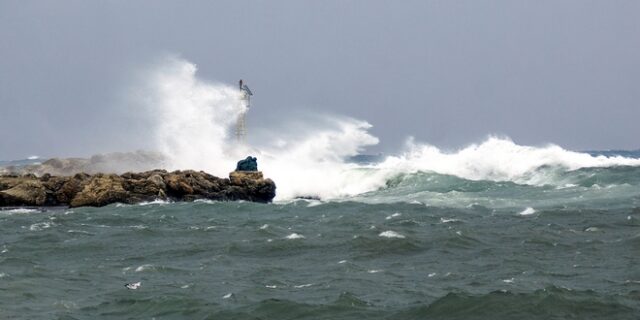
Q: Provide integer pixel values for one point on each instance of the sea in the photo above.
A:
(495, 229)
(556, 239)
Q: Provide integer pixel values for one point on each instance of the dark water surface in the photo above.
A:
(426, 247)
(243, 260)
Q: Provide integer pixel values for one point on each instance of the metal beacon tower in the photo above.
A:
(241, 127)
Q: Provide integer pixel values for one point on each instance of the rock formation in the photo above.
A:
(102, 189)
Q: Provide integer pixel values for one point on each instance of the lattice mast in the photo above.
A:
(241, 126)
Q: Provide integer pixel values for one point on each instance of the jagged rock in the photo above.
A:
(248, 164)
(253, 186)
(101, 189)
(177, 185)
(10, 181)
(244, 177)
(71, 186)
(158, 181)
(31, 192)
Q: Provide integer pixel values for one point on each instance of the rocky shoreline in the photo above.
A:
(102, 189)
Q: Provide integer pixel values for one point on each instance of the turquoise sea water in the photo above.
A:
(425, 246)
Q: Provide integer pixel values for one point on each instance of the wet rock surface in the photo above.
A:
(102, 189)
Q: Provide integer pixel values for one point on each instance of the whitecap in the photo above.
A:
(508, 280)
(391, 234)
(271, 286)
(314, 203)
(445, 220)
(264, 226)
(527, 211)
(206, 201)
(395, 215)
(592, 229)
(342, 261)
(19, 210)
(157, 201)
(205, 112)
(303, 285)
(431, 275)
(295, 236)
(78, 231)
(40, 226)
(144, 267)
(66, 304)
(227, 296)
(375, 271)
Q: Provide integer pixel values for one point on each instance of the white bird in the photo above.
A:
(133, 286)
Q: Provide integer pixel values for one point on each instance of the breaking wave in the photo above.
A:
(193, 119)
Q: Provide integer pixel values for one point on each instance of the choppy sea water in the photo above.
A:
(425, 246)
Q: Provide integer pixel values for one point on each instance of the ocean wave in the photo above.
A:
(548, 303)
(497, 163)
(391, 234)
(18, 211)
(311, 156)
(598, 187)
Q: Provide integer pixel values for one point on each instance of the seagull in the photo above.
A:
(133, 286)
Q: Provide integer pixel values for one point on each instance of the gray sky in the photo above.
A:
(447, 72)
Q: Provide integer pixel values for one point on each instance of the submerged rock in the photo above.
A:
(102, 189)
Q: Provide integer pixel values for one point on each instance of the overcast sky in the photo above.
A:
(446, 72)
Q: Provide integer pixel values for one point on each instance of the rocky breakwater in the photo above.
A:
(102, 189)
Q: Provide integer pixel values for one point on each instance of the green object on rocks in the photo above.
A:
(248, 164)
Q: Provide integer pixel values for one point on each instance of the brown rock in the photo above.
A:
(177, 184)
(30, 192)
(251, 185)
(245, 177)
(102, 189)
(71, 187)
(158, 181)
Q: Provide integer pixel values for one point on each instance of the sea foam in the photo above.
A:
(391, 234)
(192, 121)
(528, 211)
